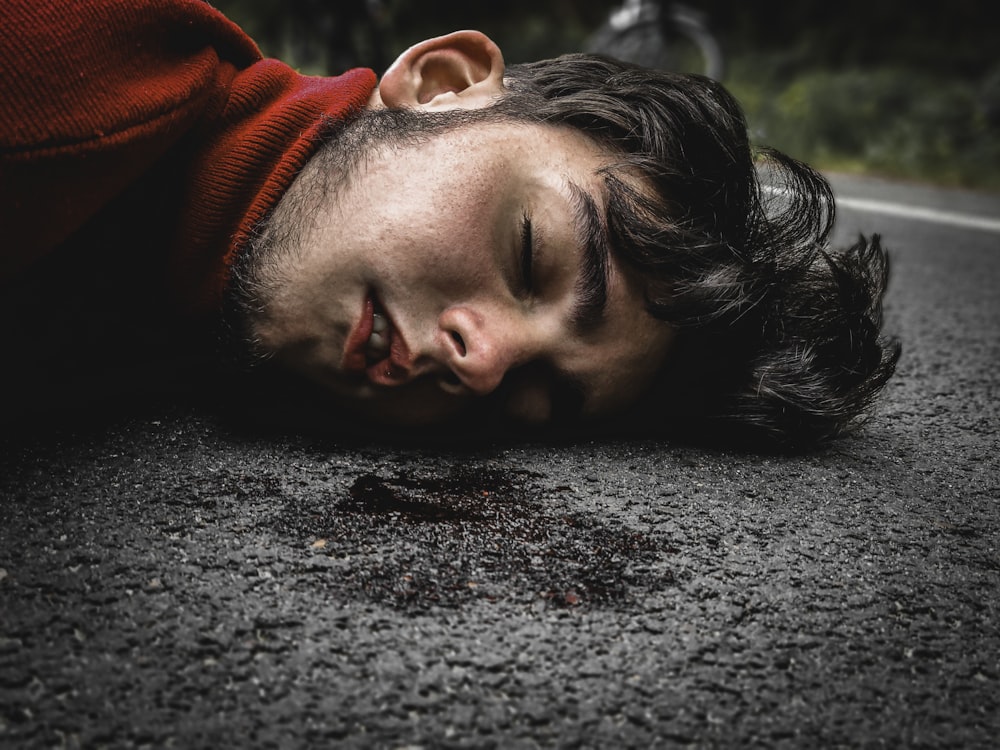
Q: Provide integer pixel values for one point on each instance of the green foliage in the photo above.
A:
(329, 35)
(889, 120)
(952, 38)
(906, 93)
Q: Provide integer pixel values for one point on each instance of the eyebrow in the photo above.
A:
(592, 281)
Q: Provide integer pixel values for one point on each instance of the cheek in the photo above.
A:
(529, 403)
(450, 240)
(623, 367)
(644, 359)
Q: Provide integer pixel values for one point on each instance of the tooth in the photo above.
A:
(377, 343)
(379, 323)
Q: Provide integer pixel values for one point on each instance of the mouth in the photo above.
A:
(379, 342)
(376, 347)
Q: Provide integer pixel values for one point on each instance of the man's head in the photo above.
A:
(563, 238)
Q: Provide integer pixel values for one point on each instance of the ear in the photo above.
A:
(463, 70)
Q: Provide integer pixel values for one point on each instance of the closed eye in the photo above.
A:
(527, 256)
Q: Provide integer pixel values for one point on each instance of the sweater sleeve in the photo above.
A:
(97, 94)
(94, 92)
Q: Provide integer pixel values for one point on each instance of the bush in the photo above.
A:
(888, 120)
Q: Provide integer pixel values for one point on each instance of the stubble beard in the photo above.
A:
(264, 267)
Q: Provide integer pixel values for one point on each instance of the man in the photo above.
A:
(569, 240)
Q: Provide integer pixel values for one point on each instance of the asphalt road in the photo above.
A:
(171, 578)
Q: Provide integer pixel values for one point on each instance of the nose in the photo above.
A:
(480, 347)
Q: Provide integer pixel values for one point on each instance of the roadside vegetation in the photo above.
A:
(888, 120)
(890, 88)
(883, 88)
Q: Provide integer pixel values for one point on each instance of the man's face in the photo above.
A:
(460, 265)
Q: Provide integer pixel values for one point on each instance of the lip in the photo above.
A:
(354, 349)
(391, 370)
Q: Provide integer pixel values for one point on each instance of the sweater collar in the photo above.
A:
(268, 121)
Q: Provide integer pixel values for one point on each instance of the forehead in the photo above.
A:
(500, 137)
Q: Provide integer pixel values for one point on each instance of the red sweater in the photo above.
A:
(160, 110)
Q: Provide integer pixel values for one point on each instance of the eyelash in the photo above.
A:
(527, 255)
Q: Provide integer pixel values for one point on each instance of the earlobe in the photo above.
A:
(463, 70)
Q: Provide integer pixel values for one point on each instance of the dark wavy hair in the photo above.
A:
(779, 338)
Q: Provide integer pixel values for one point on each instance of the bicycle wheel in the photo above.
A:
(670, 37)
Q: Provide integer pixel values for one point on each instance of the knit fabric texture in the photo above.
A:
(96, 93)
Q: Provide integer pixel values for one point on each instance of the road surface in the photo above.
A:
(168, 578)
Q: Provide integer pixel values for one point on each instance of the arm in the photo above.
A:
(95, 92)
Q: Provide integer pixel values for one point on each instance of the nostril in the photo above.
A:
(457, 338)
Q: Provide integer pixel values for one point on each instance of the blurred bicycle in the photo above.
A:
(660, 34)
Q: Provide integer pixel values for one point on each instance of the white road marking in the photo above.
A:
(884, 208)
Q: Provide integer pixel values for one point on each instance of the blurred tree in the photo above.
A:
(952, 37)
(332, 35)
(806, 71)
(947, 37)
(318, 36)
